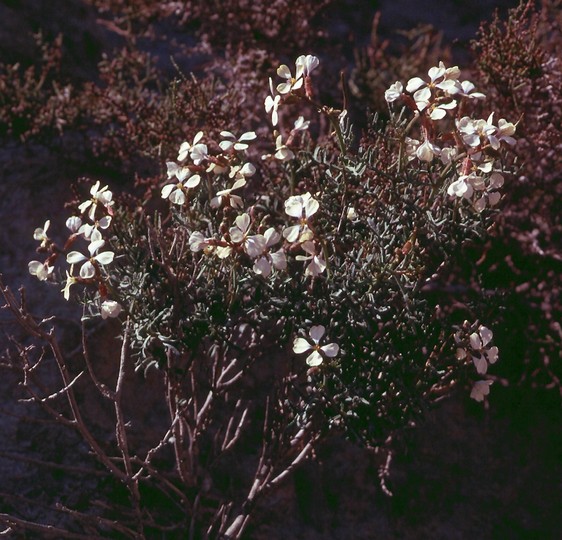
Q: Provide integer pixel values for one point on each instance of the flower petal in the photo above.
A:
(301, 345)
(316, 333)
(331, 350)
(314, 359)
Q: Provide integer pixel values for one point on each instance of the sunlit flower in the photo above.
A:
(300, 124)
(427, 151)
(110, 308)
(196, 150)
(178, 171)
(197, 241)
(226, 195)
(465, 88)
(99, 196)
(439, 111)
(254, 245)
(40, 270)
(73, 223)
(461, 187)
(88, 269)
(316, 357)
(70, 280)
(272, 104)
(478, 349)
(302, 207)
(269, 260)
(176, 193)
(480, 389)
(504, 133)
(307, 63)
(283, 152)
(92, 232)
(40, 234)
(230, 140)
(317, 265)
(394, 92)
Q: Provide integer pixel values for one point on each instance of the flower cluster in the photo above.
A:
(475, 346)
(467, 144)
(95, 217)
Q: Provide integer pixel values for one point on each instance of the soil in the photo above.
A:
(463, 472)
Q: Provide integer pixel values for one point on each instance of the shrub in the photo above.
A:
(278, 287)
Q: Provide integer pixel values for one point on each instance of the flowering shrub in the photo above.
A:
(292, 255)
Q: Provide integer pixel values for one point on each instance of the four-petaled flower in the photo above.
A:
(293, 83)
(269, 260)
(88, 269)
(176, 193)
(227, 195)
(272, 104)
(302, 207)
(231, 141)
(40, 270)
(99, 196)
(315, 358)
(282, 151)
(196, 150)
(317, 264)
(253, 245)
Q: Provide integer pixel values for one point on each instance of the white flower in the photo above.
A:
(176, 193)
(482, 354)
(394, 92)
(283, 152)
(92, 232)
(99, 196)
(88, 269)
(253, 245)
(461, 187)
(227, 195)
(351, 213)
(269, 260)
(232, 142)
(180, 172)
(480, 390)
(40, 270)
(426, 151)
(292, 83)
(196, 150)
(40, 234)
(197, 241)
(73, 223)
(300, 124)
(110, 308)
(241, 172)
(473, 132)
(302, 207)
(503, 133)
(272, 104)
(307, 63)
(315, 358)
(70, 280)
(439, 111)
(447, 155)
(465, 88)
(317, 264)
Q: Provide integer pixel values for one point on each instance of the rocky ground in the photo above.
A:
(463, 472)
